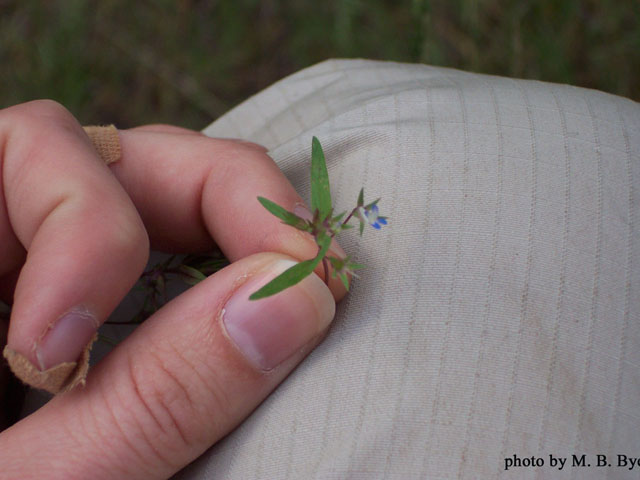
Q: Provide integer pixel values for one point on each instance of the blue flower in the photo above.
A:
(369, 214)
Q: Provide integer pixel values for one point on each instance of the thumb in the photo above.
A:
(179, 383)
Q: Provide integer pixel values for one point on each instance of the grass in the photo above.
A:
(186, 62)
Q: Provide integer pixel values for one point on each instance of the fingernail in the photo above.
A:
(66, 339)
(302, 211)
(272, 329)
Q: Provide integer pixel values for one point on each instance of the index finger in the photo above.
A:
(192, 190)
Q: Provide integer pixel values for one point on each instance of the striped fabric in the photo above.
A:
(499, 313)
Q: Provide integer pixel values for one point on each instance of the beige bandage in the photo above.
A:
(106, 142)
(58, 379)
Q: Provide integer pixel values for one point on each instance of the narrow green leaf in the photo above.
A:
(361, 197)
(361, 227)
(189, 280)
(356, 266)
(160, 284)
(368, 207)
(286, 279)
(294, 274)
(345, 280)
(320, 191)
(284, 215)
(337, 218)
(191, 275)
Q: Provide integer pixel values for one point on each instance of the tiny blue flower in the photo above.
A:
(370, 215)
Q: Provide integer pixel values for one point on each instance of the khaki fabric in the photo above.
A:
(499, 313)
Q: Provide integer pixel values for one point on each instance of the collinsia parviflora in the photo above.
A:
(323, 226)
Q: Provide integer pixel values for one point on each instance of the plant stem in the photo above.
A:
(326, 270)
(349, 216)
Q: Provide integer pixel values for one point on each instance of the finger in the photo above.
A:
(192, 189)
(179, 383)
(5, 376)
(163, 128)
(86, 243)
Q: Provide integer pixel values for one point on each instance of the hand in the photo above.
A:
(74, 238)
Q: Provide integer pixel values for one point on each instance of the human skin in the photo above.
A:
(75, 235)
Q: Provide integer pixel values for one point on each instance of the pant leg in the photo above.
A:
(499, 313)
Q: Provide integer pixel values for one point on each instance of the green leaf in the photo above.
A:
(160, 284)
(284, 215)
(361, 197)
(191, 275)
(345, 280)
(337, 218)
(361, 227)
(336, 263)
(294, 274)
(320, 191)
(368, 207)
(109, 340)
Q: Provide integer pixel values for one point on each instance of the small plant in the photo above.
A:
(324, 226)
(153, 282)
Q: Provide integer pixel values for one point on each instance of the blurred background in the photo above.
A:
(186, 62)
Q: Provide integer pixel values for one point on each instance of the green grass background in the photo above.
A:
(186, 62)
